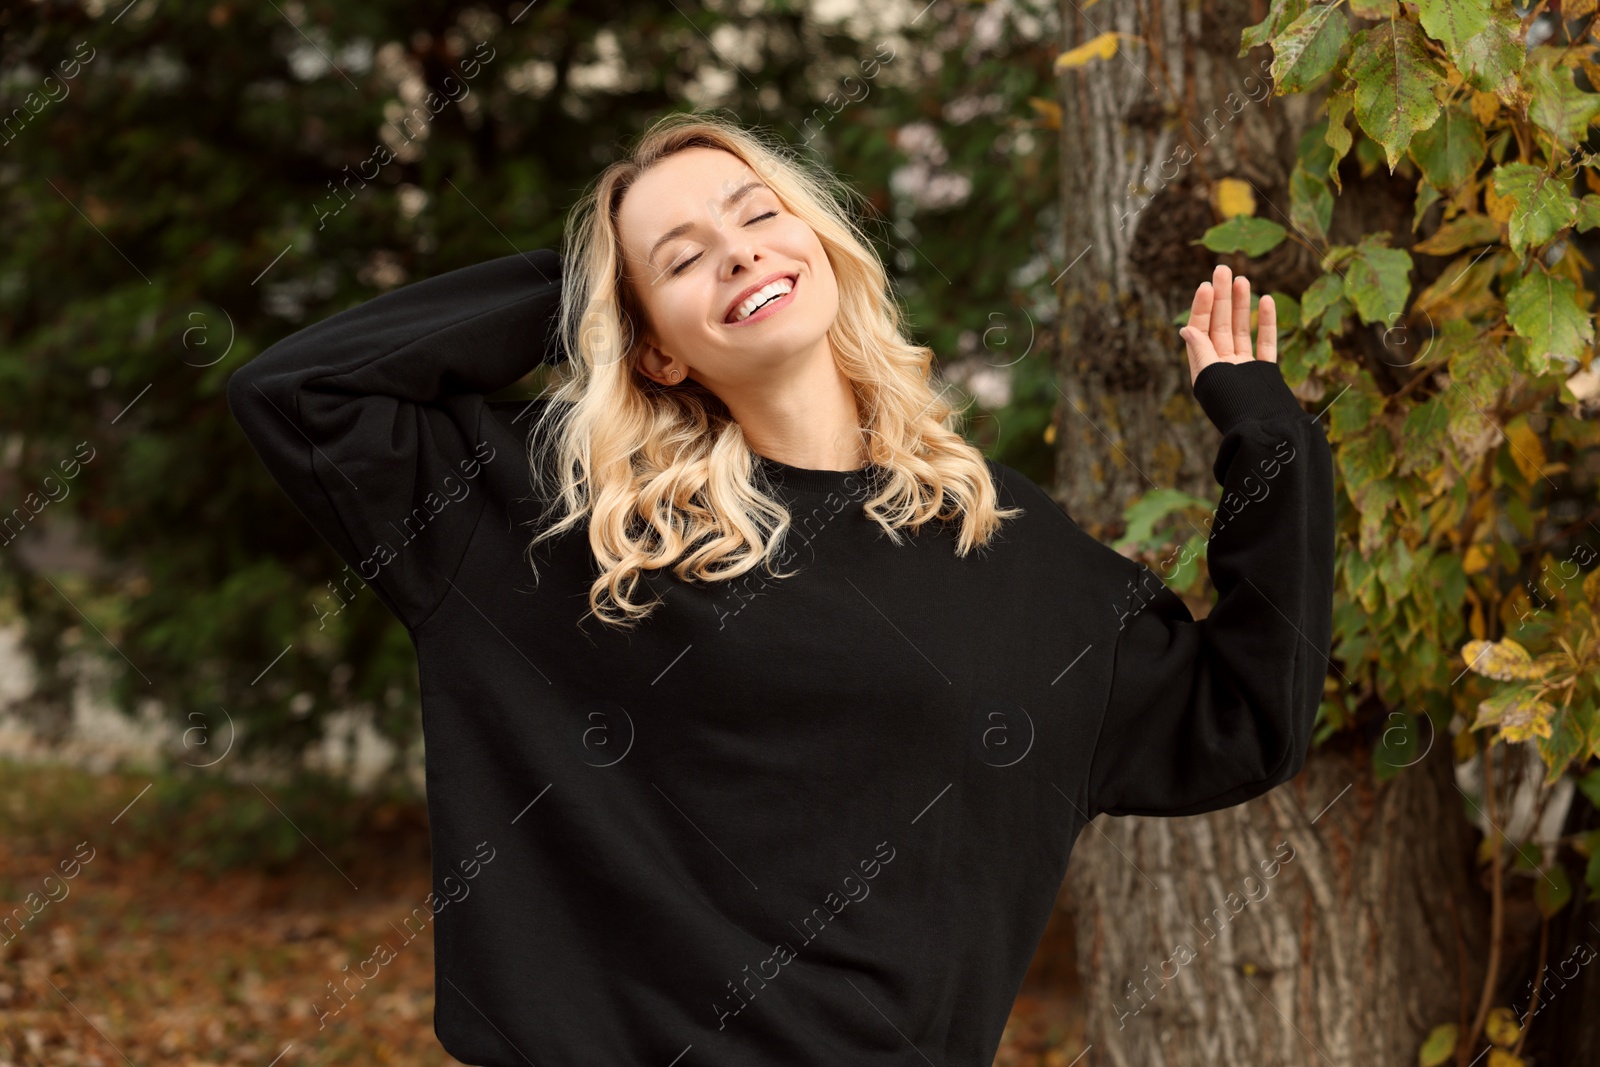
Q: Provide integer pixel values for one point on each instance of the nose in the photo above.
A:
(743, 259)
(741, 256)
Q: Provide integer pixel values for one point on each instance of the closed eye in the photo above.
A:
(686, 264)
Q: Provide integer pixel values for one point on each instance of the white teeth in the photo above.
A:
(761, 296)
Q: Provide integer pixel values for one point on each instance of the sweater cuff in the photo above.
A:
(1230, 393)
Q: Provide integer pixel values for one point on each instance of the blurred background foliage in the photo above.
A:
(186, 182)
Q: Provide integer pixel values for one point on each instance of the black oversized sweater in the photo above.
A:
(817, 820)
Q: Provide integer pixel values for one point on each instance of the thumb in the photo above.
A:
(1197, 346)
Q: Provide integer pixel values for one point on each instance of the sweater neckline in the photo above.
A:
(811, 480)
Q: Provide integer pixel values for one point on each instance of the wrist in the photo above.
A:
(1230, 393)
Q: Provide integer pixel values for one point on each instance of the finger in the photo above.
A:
(1241, 317)
(1200, 309)
(1201, 354)
(1267, 347)
(1197, 335)
(1222, 311)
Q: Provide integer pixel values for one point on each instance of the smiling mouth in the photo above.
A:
(771, 305)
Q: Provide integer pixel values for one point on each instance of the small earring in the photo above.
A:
(675, 375)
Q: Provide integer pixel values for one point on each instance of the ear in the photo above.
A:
(658, 366)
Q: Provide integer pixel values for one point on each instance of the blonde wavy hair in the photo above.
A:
(665, 473)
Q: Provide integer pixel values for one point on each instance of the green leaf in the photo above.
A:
(1439, 1047)
(1338, 136)
(1589, 786)
(1588, 212)
(1586, 717)
(1448, 579)
(1310, 204)
(1544, 205)
(1454, 22)
(1395, 570)
(1450, 151)
(1308, 48)
(1366, 457)
(1544, 309)
(1375, 530)
(1491, 59)
(1288, 311)
(1559, 107)
(1313, 151)
(1565, 744)
(1396, 78)
(1423, 435)
(1378, 281)
(1244, 233)
(1279, 16)
(1150, 508)
(1354, 409)
(1323, 294)
(1552, 891)
(1319, 354)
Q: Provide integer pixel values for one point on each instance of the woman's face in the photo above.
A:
(700, 231)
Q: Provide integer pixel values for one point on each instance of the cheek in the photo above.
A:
(686, 311)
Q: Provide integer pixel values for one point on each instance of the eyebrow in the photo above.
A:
(684, 227)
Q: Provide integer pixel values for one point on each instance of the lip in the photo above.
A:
(727, 316)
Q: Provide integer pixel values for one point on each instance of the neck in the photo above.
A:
(808, 419)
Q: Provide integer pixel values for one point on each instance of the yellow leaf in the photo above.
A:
(1233, 196)
(1049, 112)
(1576, 9)
(1464, 289)
(1439, 1047)
(1499, 1057)
(1525, 719)
(1497, 207)
(1503, 660)
(1550, 661)
(1477, 559)
(1527, 451)
(1466, 746)
(1102, 47)
(1050, 434)
(1485, 106)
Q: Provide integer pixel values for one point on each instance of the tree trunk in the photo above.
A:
(1335, 920)
(1317, 925)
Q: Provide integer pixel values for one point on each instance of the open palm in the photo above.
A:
(1219, 327)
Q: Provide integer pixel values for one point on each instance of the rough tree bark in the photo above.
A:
(1370, 928)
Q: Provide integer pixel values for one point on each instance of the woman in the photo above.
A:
(806, 792)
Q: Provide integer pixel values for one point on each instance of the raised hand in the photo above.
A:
(1219, 327)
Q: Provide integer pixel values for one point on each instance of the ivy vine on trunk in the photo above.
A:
(1469, 459)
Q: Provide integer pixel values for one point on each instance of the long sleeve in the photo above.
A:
(1204, 715)
(371, 420)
